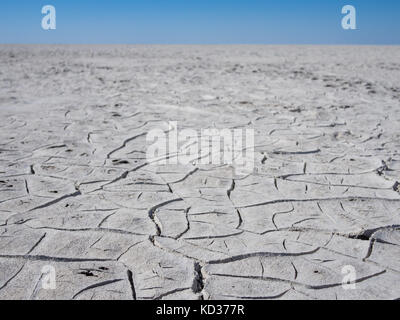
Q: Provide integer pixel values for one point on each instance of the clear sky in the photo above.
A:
(201, 21)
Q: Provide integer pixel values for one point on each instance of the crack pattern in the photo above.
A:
(78, 193)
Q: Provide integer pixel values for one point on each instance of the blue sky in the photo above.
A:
(201, 21)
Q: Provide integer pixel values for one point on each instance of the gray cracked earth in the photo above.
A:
(77, 193)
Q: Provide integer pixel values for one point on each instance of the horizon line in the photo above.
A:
(201, 44)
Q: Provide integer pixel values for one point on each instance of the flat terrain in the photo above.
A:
(77, 193)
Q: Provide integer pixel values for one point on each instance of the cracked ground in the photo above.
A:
(77, 193)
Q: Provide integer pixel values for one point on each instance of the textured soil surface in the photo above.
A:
(77, 193)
